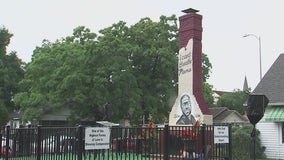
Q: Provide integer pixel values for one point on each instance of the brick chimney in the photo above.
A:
(191, 27)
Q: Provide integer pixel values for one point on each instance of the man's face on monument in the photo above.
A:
(186, 106)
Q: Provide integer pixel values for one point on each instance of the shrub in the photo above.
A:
(243, 143)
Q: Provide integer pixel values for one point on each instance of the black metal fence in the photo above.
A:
(68, 143)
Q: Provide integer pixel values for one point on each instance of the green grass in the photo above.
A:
(90, 156)
(101, 156)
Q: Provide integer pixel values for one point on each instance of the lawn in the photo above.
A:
(105, 156)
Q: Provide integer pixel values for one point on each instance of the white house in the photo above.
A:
(271, 126)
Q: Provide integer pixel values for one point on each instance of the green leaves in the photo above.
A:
(3, 114)
(133, 68)
(242, 143)
(11, 72)
(233, 101)
(4, 40)
(206, 67)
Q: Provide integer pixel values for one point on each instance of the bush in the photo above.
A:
(243, 143)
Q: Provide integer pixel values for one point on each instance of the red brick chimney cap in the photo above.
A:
(190, 10)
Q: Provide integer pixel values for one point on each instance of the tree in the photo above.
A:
(3, 114)
(207, 89)
(11, 71)
(155, 59)
(207, 92)
(126, 72)
(233, 101)
(4, 40)
(56, 77)
(206, 67)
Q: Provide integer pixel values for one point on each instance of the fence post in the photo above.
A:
(166, 144)
(20, 137)
(7, 142)
(1, 141)
(29, 138)
(80, 142)
(203, 143)
(38, 149)
(230, 142)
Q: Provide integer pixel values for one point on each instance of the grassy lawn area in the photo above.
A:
(90, 156)
(105, 156)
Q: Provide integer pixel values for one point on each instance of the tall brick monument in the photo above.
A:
(190, 105)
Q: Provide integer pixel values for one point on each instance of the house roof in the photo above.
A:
(58, 115)
(222, 113)
(215, 111)
(272, 83)
(220, 93)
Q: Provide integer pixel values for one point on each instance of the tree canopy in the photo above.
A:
(234, 100)
(11, 71)
(121, 72)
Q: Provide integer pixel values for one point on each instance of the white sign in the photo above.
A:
(221, 134)
(97, 138)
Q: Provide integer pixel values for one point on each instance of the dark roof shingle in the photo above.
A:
(272, 84)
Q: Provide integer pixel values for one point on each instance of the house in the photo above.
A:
(222, 115)
(271, 126)
(62, 117)
(59, 117)
(15, 119)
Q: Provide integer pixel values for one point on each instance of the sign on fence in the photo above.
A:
(221, 134)
(97, 138)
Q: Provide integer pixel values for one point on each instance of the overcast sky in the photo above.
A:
(224, 23)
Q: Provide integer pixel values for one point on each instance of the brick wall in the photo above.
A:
(191, 27)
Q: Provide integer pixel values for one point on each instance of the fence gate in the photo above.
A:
(117, 143)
